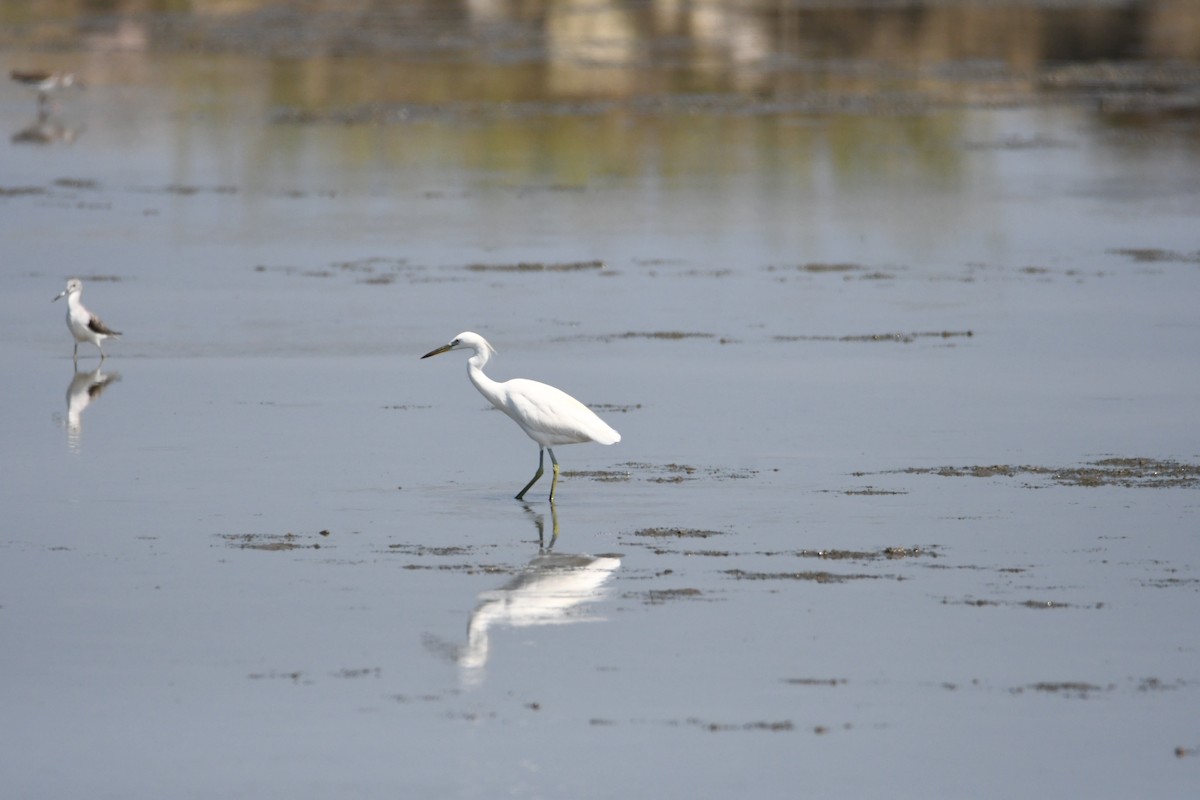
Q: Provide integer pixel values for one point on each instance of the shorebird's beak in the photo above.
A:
(57, 296)
(444, 348)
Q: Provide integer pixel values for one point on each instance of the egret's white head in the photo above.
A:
(466, 340)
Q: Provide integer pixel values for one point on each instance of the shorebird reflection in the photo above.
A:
(46, 128)
(83, 390)
(548, 591)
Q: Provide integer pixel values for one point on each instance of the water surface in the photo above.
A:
(895, 313)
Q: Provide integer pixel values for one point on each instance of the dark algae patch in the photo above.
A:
(538, 266)
(667, 335)
(424, 550)
(657, 597)
(814, 576)
(826, 267)
(783, 726)
(1034, 604)
(679, 473)
(839, 555)
(1156, 255)
(1132, 473)
(374, 270)
(17, 191)
(601, 475)
(871, 491)
(271, 542)
(898, 337)
(819, 267)
(870, 555)
(1079, 689)
(677, 533)
(662, 541)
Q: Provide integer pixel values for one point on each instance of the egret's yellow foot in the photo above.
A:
(554, 482)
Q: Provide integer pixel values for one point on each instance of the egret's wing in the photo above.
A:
(554, 414)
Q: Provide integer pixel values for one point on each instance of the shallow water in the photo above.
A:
(903, 358)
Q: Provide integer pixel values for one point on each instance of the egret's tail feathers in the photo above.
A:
(609, 437)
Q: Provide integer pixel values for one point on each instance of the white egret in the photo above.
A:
(83, 324)
(548, 415)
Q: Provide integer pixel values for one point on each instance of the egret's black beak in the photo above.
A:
(444, 348)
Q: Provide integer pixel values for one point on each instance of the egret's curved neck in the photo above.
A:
(486, 386)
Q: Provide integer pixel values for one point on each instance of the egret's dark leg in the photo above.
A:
(76, 356)
(554, 481)
(538, 474)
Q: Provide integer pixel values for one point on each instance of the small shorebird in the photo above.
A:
(83, 324)
(44, 82)
(548, 415)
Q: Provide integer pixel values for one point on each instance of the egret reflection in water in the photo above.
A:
(83, 390)
(549, 590)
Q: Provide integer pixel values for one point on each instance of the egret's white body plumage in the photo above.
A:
(83, 324)
(548, 415)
